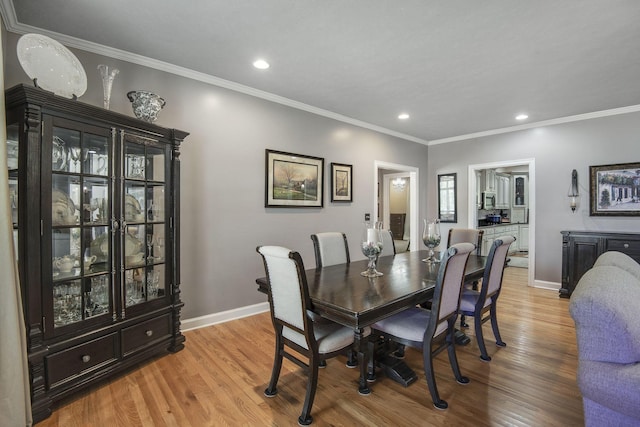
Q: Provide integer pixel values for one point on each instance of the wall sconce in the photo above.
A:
(573, 191)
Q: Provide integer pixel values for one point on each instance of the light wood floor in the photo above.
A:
(219, 378)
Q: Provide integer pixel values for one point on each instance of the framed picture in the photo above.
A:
(341, 183)
(293, 180)
(447, 198)
(615, 190)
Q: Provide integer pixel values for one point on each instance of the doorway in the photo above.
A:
(525, 165)
(384, 174)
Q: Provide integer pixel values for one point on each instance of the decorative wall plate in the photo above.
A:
(53, 65)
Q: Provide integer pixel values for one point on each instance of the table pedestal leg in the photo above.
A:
(361, 344)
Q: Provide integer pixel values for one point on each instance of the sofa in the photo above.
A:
(605, 308)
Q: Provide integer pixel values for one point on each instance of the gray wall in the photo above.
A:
(557, 150)
(223, 161)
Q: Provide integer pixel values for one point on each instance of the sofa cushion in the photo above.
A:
(605, 308)
(621, 260)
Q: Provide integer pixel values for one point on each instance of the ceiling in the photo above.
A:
(459, 68)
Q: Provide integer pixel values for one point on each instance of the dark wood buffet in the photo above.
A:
(580, 249)
(96, 214)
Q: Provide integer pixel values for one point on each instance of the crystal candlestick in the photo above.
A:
(107, 81)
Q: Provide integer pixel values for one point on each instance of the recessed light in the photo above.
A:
(261, 64)
(522, 117)
(403, 116)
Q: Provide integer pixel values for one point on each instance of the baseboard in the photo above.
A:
(224, 316)
(552, 286)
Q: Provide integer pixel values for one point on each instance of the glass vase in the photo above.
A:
(107, 82)
(431, 238)
(371, 244)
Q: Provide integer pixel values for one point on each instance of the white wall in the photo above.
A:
(557, 150)
(223, 162)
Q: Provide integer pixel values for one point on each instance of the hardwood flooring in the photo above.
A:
(219, 378)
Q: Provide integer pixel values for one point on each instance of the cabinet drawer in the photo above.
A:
(81, 359)
(629, 247)
(139, 336)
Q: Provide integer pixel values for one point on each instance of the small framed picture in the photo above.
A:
(614, 190)
(341, 182)
(293, 180)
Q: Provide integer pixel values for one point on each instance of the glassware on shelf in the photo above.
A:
(431, 238)
(371, 244)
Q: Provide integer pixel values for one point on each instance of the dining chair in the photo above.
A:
(477, 303)
(470, 235)
(290, 304)
(330, 248)
(432, 330)
(388, 246)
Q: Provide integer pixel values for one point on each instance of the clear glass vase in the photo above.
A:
(371, 244)
(107, 82)
(431, 238)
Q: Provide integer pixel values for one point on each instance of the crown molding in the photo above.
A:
(568, 119)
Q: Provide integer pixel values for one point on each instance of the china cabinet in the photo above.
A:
(95, 208)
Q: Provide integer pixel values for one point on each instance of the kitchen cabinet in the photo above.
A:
(580, 249)
(520, 197)
(492, 233)
(523, 238)
(503, 191)
(489, 180)
(96, 213)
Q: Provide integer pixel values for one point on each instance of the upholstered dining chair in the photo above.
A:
(478, 303)
(432, 330)
(290, 305)
(470, 235)
(330, 248)
(388, 246)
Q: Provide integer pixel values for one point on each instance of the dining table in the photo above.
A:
(341, 294)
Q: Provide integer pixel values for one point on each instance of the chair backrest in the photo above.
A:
(388, 247)
(446, 296)
(288, 294)
(466, 235)
(494, 269)
(330, 248)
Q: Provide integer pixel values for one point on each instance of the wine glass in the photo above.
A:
(149, 245)
(160, 245)
(431, 238)
(74, 153)
(371, 244)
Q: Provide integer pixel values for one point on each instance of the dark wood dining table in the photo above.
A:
(340, 293)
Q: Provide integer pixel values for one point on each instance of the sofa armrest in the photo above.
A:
(604, 307)
(615, 386)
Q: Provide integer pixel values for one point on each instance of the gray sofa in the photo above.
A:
(605, 309)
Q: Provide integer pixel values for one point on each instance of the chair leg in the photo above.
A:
(453, 359)
(352, 359)
(305, 417)
(272, 389)
(431, 379)
(477, 320)
(463, 323)
(494, 326)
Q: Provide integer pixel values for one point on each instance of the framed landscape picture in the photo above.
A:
(615, 190)
(341, 183)
(293, 180)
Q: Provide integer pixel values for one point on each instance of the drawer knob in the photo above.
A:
(626, 246)
(86, 358)
(149, 332)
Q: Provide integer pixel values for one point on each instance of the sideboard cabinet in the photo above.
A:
(95, 210)
(580, 249)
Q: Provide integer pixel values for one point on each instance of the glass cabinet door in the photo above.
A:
(12, 166)
(80, 161)
(144, 166)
